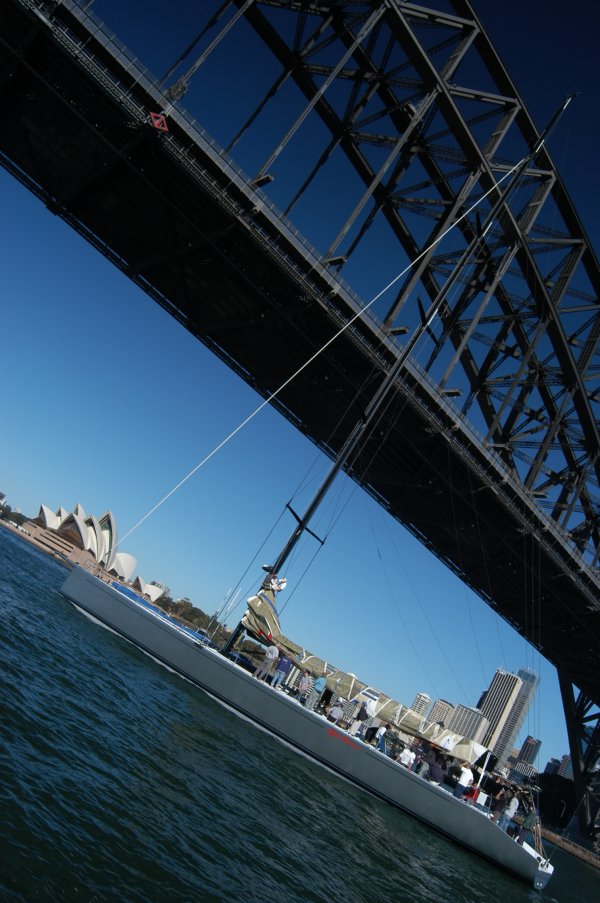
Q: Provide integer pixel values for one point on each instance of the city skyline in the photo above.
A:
(497, 719)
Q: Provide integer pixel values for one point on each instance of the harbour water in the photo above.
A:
(119, 781)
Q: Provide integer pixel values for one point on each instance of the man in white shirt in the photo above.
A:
(464, 781)
(407, 757)
(380, 737)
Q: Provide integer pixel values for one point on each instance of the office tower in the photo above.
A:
(421, 703)
(440, 712)
(481, 699)
(566, 770)
(552, 767)
(516, 715)
(498, 702)
(468, 722)
(529, 750)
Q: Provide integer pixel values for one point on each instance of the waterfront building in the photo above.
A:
(521, 771)
(468, 722)
(566, 769)
(499, 700)
(152, 590)
(421, 704)
(529, 751)
(96, 536)
(516, 714)
(552, 766)
(440, 712)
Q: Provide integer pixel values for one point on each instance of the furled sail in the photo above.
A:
(262, 621)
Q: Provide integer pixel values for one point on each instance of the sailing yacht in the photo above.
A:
(306, 732)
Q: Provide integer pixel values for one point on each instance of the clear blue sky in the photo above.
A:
(108, 402)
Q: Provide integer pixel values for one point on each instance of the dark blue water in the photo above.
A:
(119, 781)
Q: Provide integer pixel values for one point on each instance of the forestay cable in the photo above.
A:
(320, 351)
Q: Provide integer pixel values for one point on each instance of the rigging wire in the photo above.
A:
(237, 586)
(298, 583)
(459, 554)
(319, 351)
(486, 571)
(397, 606)
(426, 616)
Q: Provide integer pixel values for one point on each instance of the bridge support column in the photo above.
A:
(583, 729)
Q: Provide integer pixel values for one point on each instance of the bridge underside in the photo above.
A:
(180, 222)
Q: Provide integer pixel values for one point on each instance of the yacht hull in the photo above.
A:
(305, 731)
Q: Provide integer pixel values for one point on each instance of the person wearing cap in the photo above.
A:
(335, 712)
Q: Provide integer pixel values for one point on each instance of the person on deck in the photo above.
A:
(315, 694)
(372, 729)
(380, 737)
(359, 719)
(499, 804)
(335, 713)
(407, 757)
(465, 779)
(268, 663)
(509, 812)
(304, 686)
(529, 822)
(282, 670)
(471, 795)
(435, 774)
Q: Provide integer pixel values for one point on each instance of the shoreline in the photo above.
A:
(569, 846)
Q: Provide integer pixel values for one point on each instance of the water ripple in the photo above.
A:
(121, 782)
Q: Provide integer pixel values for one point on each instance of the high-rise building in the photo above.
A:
(421, 704)
(552, 766)
(499, 700)
(516, 714)
(440, 712)
(529, 751)
(468, 722)
(521, 771)
(566, 769)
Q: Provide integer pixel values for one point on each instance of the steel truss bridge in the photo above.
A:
(365, 131)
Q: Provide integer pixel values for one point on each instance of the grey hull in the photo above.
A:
(303, 730)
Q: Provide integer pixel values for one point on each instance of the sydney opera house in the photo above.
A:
(88, 541)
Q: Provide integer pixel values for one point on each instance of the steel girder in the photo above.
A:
(427, 119)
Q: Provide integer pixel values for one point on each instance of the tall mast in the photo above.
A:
(353, 441)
